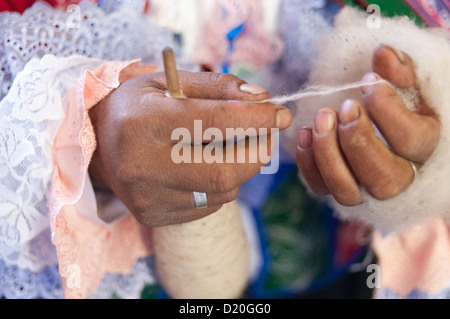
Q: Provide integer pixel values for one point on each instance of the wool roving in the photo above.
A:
(344, 56)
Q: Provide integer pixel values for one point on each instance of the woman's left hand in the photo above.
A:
(340, 152)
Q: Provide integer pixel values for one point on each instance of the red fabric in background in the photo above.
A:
(20, 5)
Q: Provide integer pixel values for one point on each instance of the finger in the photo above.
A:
(162, 218)
(188, 215)
(409, 134)
(170, 200)
(307, 164)
(219, 118)
(176, 200)
(395, 66)
(382, 173)
(219, 86)
(169, 206)
(413, 135)
(215, 167)
(211, 86)
(398, 68)
(166, 114)
(330, 161)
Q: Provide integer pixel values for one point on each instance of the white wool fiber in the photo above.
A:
(345, 55)
(318, 90)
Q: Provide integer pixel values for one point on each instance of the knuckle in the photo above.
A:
(151, 220)
(349, 197)
(378, 98)
(214, 77)
(220, 114)
(416, 148)
(221, 79)
(223, 179)
(263, 118)
(122, 173)
(408, 147)
(224, 84)
(385, 188)
(319, 189)
(149, 213)
(357, 142)
(230, 196)
(127, 173)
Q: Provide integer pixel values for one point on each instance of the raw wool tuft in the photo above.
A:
(345, 55)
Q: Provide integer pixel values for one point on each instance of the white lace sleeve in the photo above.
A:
(30, 115)
(111, 32)
(41, 58)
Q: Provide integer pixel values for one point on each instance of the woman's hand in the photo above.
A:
(134, 127)
(341, 151)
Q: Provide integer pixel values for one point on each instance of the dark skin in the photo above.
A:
(340, 151)
(336, 155)
(134, 125)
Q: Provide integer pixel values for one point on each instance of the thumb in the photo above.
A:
(413, 135)
(219, 86)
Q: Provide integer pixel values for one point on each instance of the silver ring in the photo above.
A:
(200, 200)
(414, 167)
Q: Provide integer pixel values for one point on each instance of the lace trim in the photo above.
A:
(127, 287)
(32, 249)
(28, 128)
(122, 35)
(388, 293)
(91, 247)
(30, 115)
(16, 283)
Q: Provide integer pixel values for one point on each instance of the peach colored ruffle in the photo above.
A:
(417, 258)
(87, 247)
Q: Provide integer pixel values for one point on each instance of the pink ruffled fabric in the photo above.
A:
(417, 258)
(87, 247)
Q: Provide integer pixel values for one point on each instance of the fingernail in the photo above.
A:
(284, 118)
(369, 78)
(252, 89)
(399, 54)
(305, 138)
(348, 112)
(324, 122)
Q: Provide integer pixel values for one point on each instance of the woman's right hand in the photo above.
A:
(134, 127)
